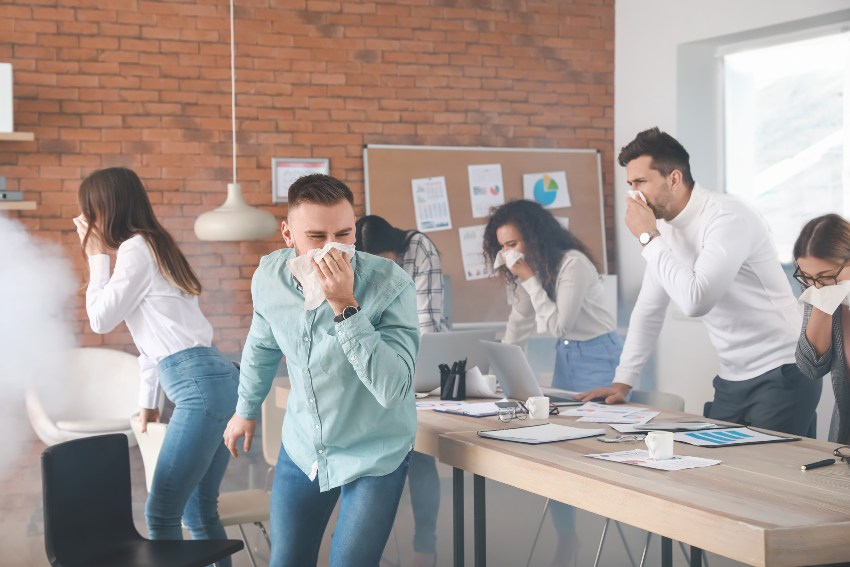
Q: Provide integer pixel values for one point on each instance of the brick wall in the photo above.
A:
(145, 84)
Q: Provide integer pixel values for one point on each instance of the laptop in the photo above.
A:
(446, 348)
(516, 377)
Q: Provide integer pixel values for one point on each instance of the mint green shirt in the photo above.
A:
(351, 410)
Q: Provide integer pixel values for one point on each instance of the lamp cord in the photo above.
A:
(233, 89)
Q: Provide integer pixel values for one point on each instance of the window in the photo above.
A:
(787, 131)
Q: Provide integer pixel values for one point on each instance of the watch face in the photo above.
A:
(644, 237)
(349, 312)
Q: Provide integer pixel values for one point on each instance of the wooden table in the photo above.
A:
(756, 507)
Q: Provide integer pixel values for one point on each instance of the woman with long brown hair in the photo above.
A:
(822, 254)
(154, 290)
(557, 291)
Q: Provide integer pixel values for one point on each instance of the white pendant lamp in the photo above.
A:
(235, 219)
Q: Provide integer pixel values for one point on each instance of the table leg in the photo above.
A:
(696, 557)
(666, 552)
(480, 518)
(457, 502)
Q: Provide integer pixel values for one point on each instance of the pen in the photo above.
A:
(817, 465)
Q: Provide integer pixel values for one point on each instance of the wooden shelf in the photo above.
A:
(17, 136)
(17, 205)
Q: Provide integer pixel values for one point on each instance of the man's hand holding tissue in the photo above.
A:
(639, 217)
(336, 277)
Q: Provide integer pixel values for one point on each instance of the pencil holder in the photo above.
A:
(453, 386)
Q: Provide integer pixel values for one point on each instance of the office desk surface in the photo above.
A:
(756, 507)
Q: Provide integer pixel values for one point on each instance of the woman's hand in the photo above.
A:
(148, 416)
(94, 245)
(521, 269)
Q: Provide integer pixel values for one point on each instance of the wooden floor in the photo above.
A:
(513, 517)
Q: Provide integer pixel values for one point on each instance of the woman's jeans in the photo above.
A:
(202, 384)
(581, 366)
(300, 514)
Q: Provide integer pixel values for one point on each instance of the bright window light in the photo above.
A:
(787, 132)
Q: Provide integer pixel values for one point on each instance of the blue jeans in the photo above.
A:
(581, 366)
(202, 384)
(424, 485)
(300, 514)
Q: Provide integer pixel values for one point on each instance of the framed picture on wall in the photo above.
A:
(286, 170)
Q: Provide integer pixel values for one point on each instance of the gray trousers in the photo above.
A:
(782, 399)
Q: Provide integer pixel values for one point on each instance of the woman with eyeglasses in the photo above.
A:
(822, 252)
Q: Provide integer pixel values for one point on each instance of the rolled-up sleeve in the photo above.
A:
(383, 355)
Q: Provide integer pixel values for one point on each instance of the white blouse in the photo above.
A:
(578, 312)
(162, 319)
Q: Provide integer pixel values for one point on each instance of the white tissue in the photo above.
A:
(637, 195)
(508, 258)
(828, 297)
(480, 385)
(302, 268)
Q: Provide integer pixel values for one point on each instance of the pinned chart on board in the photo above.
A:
(486, 189)
(475, 265)
(729, 437)
(549, 189)
(431, 204)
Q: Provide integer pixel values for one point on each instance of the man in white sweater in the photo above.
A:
(713, 256)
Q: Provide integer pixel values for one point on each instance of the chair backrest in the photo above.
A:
(660, 400)
(150, 443)
(87, 498)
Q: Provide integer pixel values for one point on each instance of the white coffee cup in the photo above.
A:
(660, 445)
(538, 407)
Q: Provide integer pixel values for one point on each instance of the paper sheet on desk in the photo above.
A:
(593, 412)
(640, 457)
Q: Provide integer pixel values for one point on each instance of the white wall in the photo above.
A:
(648, 35)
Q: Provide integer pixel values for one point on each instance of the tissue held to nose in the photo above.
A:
(508, 258)
(637, 196)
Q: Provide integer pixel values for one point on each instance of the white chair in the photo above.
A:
(234, 508)
(271, 428)
(102, 387)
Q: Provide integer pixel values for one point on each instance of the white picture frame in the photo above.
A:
(286, 170)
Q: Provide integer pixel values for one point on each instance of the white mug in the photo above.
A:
(538, 407)
(660, 445)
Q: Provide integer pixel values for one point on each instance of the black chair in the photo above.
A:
(88, 520)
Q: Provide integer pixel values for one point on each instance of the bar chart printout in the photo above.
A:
(724, 437)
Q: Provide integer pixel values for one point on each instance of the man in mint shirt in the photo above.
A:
(351, 416)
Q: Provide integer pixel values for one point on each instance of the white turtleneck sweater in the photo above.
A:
(716, 261)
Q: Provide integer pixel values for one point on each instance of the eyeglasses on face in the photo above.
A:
(843, 453)
(808, 281)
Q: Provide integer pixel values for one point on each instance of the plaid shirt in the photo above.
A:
(422, 263)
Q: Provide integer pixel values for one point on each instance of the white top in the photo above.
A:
(578, 312)
(716, 261)
(162, 319)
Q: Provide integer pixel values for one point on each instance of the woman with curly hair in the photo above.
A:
(557, 291)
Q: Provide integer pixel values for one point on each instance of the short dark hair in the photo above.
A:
(319, 189)
(376, 235)
(666, 152)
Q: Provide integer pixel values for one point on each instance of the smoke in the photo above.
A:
(37, 287)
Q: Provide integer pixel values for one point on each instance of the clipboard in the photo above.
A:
(482, 409)
(542, 433)
(729, 437)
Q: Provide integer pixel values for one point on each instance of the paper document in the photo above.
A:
(592, 408)
(640, 457)
(727, 437)
(638, 417)
(545, 433)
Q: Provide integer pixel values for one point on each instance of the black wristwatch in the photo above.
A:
(349, 311)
